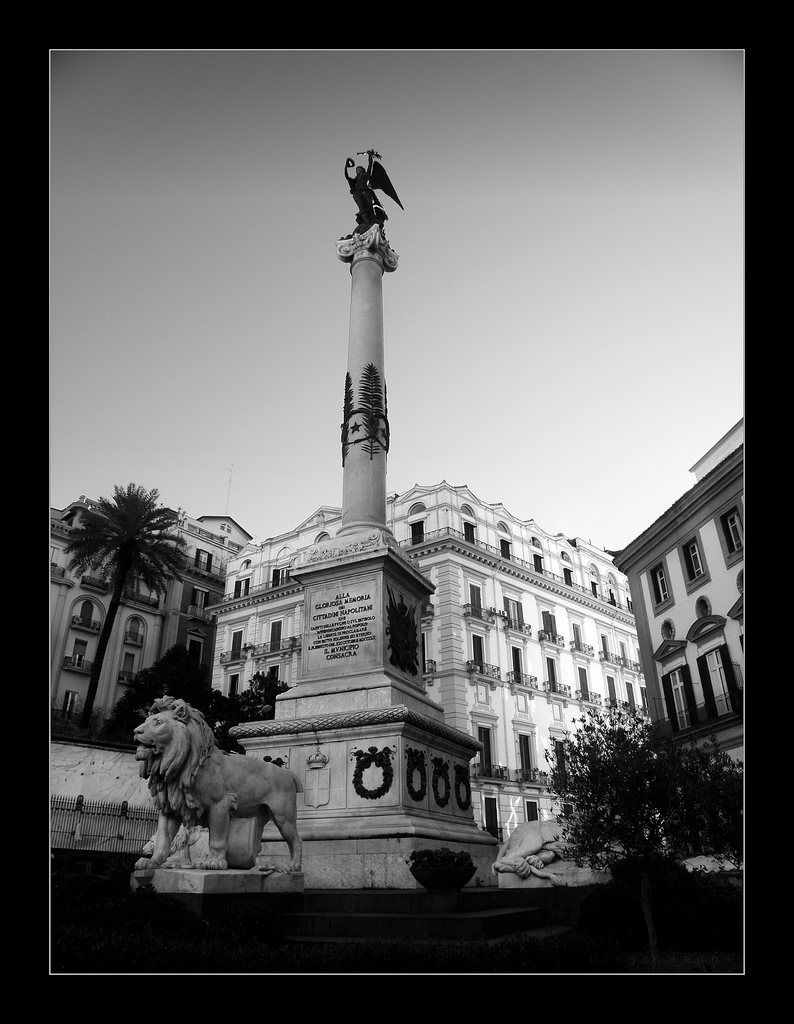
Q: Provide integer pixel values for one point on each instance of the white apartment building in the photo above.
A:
(525, 631)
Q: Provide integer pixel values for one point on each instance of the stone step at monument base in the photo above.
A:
(474, 913)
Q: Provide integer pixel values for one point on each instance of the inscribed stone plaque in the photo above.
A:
(344, 626)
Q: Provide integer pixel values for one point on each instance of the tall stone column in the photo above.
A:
(365, 425)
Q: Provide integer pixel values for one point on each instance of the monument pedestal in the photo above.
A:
(382, 774)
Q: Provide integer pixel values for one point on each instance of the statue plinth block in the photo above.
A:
(171, 882)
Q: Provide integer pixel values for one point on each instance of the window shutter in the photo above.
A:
(672, 714)
(689, 693)
(708, 689)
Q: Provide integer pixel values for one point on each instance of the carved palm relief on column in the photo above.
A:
(367, 423)
(402, 634)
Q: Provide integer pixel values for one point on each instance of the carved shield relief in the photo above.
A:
(317, 787)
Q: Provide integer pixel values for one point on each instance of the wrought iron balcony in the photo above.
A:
(195, 612)
(285, 643)
(480, 667)
(577, 645)
(522, 679)
(77, 663)
(562, 689)
(430, 667)
(82, 622)
(236, 654)
(57, 571)
(530, 775)
(551, 638)
(476, 611)
(490, 771)
(133, 638)
(590, 696)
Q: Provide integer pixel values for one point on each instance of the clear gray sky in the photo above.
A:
(564, 333)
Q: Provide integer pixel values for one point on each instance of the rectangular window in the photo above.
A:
(692, 560)
(594, 588)
(551, 673)
(514, 612)
(195, 649)
(417, 532)
(679, 698)
(718, 681)
(237, 642)
(549, 624)
(630, 695)
(203, 560)
(605, 643)
(79, 651)
(732, 530)
(531, 810)
(69, 706)
(504, 548)
(280, 577)
(484, 736)
(199, 599)
(515, 654)
(537, 562)
(491, 816)
(234, 684)
(275, 635)
(242, 587)
(567, 575)
(584, 689)
(477, 650)
(475, 597)
(659, 584)
(468, 532)
(613, 696)
(525, 752)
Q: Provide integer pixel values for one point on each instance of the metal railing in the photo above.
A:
(80, 824)
(480, 667)
(490, 771)
(522, 679)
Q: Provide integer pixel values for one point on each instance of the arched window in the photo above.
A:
(321, 536)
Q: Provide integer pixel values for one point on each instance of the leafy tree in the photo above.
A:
(177, 674)
(126, 540)
(630, 791)
(256, 704)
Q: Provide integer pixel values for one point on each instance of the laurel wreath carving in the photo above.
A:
(415, 762)
(441, 774)
(462, 782)
(366, 759)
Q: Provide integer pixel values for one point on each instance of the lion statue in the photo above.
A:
(531, 846)
(194, 783)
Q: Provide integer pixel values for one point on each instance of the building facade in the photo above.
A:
(146, 626)
(524, 632)
(686, 572)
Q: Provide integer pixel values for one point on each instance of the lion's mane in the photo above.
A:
(171, 772)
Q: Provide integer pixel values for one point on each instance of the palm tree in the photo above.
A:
(124, 541)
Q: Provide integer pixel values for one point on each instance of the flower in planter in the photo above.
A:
(442, 857)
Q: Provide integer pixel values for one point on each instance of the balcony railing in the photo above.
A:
(530, 775)
(577, 645)
(430, 667)
(133, 638)
(77, 663)
(551, 638)
(196, 612)
(236, 654)
(517, 625)
(57, 571)
(590, 696)
(727, 706)
(480, 667)
(562, 689)
(82, 622)
(522, 679)
(286, 643)
(127, 677)
(490, 771)
(476, 611)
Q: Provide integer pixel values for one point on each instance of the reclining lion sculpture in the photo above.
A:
(531, 847)
(193, 782)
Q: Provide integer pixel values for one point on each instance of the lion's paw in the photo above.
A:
(213, 864)
(143, 864)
